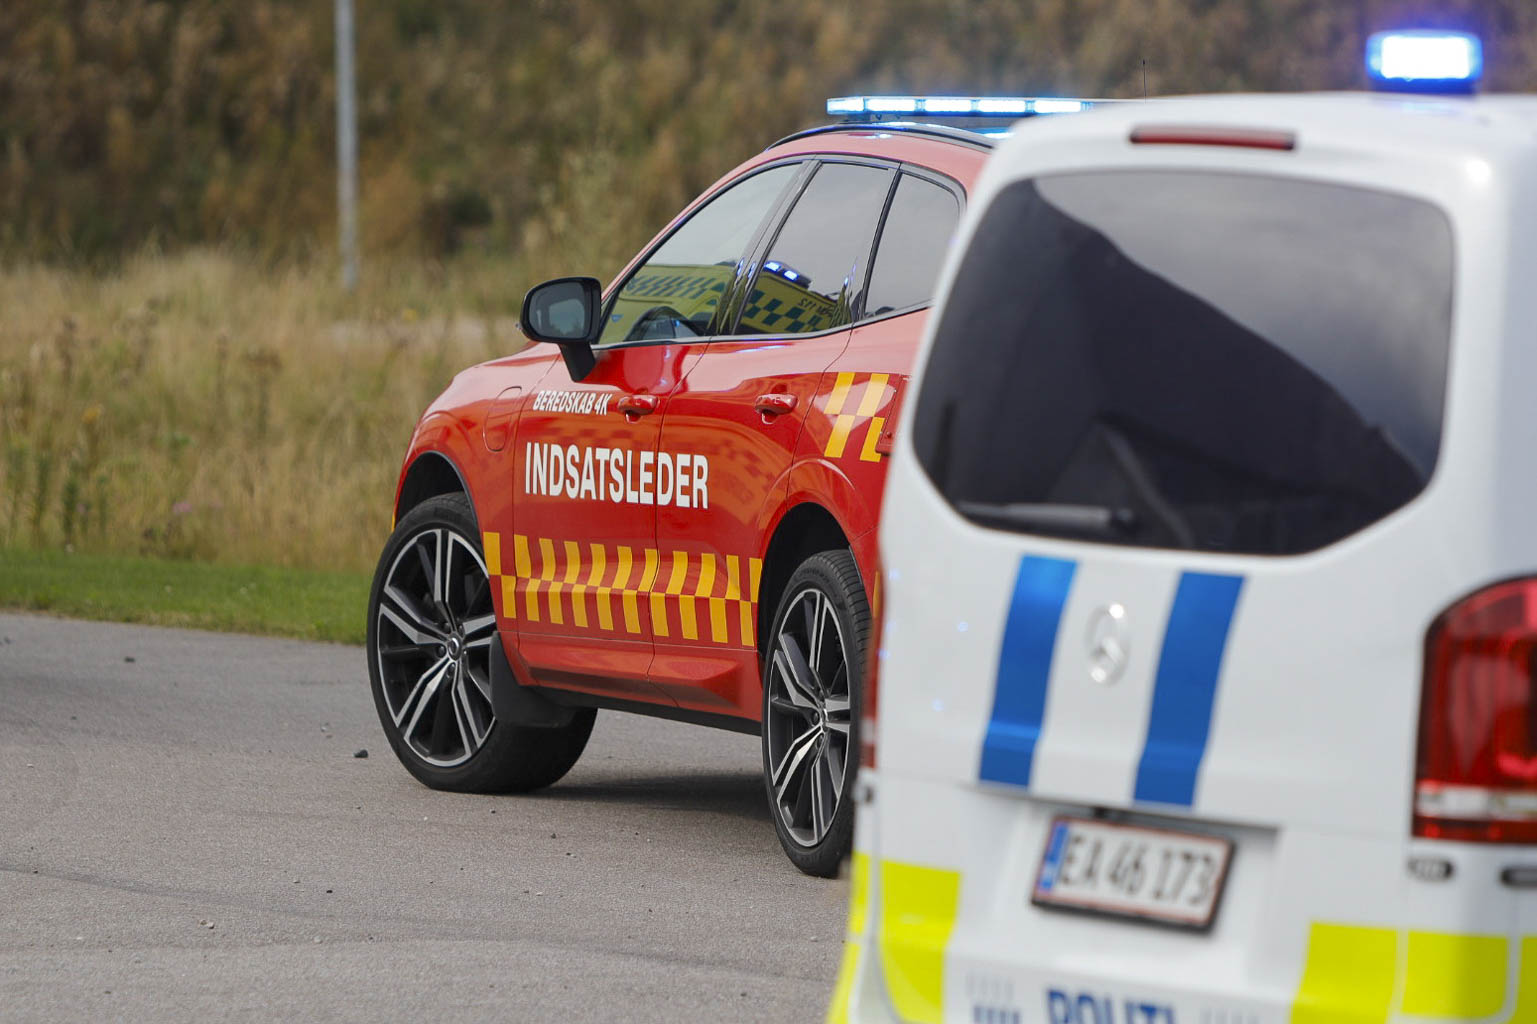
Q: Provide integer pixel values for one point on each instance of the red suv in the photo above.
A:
(670, 506)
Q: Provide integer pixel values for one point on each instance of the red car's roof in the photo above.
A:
(957, 154)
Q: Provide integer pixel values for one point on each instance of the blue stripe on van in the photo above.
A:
(1185, 687)
(1024, 669)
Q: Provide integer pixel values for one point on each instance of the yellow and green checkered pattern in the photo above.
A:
(692, 596)
(693, 292)
(777, 306)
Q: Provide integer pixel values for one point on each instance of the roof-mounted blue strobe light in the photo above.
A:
(1011, 107)
(1425, 60)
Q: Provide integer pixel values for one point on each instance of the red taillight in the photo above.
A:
(1212, 135)
(872, 677)
(1477, 768)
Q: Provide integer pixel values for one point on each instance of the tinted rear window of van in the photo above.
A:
(1198, 361)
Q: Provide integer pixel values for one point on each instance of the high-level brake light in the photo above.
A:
(1422, 60)
(957, 106)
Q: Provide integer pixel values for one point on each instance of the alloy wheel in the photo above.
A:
(808, 721)
(435, 626)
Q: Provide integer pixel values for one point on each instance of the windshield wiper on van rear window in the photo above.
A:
(1080, 520)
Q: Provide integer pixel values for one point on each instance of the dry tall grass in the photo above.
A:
(203, 407)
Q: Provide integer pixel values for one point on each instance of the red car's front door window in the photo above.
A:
(677, 292)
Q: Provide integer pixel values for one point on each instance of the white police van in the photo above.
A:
(1205, 686)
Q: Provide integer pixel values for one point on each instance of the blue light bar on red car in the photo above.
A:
(956, 106)
(1423, 60)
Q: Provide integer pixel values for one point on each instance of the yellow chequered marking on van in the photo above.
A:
(875, 392)
(601, 588)
(1352, 973)
(848, 967)
(1348, 977)
(918, 906)
(1454, 975)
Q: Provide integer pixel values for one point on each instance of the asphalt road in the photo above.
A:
(185, 834)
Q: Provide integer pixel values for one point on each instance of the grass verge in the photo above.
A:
(301, 603)
(203, 407)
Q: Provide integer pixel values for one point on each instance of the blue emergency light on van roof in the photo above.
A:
(955, 106)
(1425, 60)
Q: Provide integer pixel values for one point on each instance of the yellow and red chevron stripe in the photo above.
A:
(691, 596)
(876, 393)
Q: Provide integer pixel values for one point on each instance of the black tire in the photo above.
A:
(812, 683)
(431, 631)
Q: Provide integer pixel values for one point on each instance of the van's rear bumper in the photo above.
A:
(1312, 928)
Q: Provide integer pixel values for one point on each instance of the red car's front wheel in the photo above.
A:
(431, 639)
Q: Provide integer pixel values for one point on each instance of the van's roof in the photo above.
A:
(1456, 121)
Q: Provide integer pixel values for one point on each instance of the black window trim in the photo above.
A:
(755, 264)
(768, 231)
(944, 181)
(757, 251)
(900, 167)
(775, 214)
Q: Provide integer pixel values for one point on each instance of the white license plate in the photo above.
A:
(1131, 871)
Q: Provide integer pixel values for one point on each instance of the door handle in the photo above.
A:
(774, 405)
(636, 406)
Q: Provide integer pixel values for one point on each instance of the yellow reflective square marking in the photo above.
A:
(875, 394)
(872, 438)
(840, 393)
(659, 614)
(1454, 975)
(520, 556)
(1348, 977)
(918, 908)
(718, 631)
(839, 439)
(631, 612)
(706, 575)
(626, 595)
(554, 589)
(510, 596)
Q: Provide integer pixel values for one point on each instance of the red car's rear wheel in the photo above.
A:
(811, 673)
